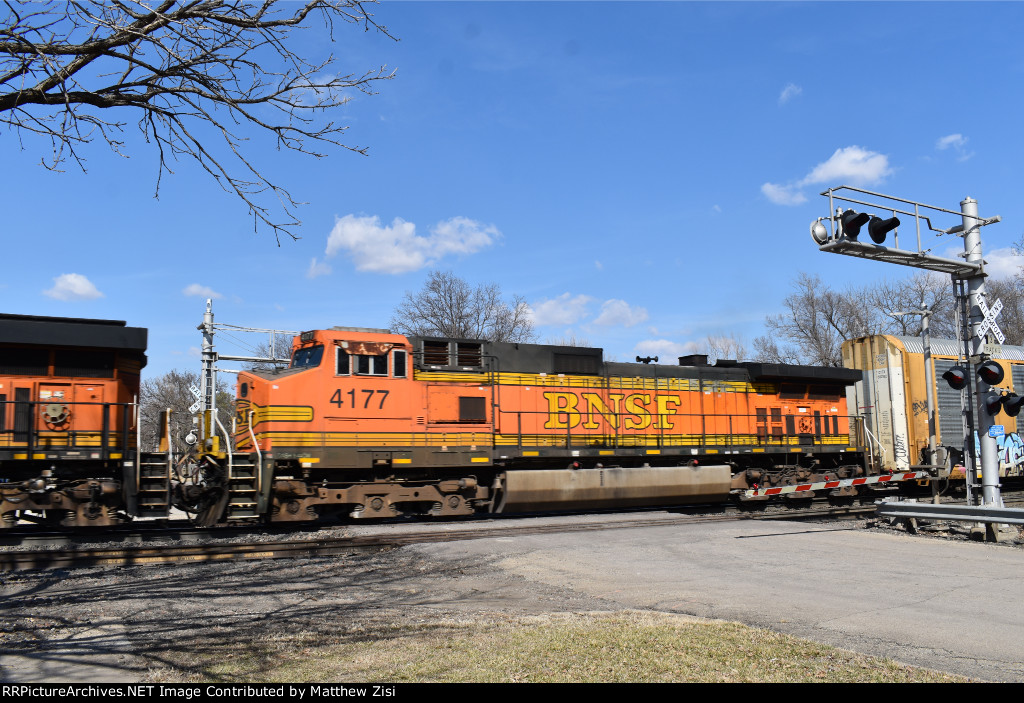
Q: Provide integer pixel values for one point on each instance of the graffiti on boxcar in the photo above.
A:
(1011, 452)
(899, 450)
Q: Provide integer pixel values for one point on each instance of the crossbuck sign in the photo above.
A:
(989, 323)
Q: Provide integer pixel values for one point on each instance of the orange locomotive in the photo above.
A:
(375, 424)
(68, 392)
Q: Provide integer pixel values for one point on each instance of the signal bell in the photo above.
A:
(956, 377)
(991, 373)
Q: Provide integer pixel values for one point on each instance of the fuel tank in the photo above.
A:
(571, 489)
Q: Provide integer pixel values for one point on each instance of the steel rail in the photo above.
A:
(333, 546)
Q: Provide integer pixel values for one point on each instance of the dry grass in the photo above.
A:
(594, 647)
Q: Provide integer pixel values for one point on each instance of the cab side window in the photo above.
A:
(398, 363)
(344, 367)
(372, 364)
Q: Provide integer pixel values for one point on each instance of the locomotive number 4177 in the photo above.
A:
(338, 398)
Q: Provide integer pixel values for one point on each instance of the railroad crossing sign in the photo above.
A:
(198, 395)
(989, 323)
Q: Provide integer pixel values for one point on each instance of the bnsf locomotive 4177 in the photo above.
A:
(368, 424)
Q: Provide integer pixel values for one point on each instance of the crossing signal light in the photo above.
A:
(878, 228)
(991, 373)
(1012, 404)
(851, 222)
(993, 403)
(956, 377)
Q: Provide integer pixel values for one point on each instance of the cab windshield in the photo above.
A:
(307, 357)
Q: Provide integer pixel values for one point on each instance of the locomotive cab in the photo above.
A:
(342, 384)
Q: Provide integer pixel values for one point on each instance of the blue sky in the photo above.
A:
(643, 174)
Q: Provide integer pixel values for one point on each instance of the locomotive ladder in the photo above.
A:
(153, 485)
(243, 490)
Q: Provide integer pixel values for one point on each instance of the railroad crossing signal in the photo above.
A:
(837, 233)
(850, 223)
(1012, 403)
(993, 403)
(956, 377)
(991, 373)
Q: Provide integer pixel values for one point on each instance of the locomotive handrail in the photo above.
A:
(227, 447)
(259, 456)
(724, 429)
(24, 431)
(874, 439)
(170, 443)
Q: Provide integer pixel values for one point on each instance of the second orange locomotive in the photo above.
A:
(375, 424)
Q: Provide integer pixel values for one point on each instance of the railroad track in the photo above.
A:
(334, 546)
(58, 550)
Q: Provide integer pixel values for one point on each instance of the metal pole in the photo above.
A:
(929, 373)
(976, 293)
(208, 382)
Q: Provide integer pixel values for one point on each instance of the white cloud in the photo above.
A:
(201, 291)
(664, 348)
(783, 195)
(619, 312)
(398, 249)
(1002, 263)
(72, 286)
(957, 142)
(789, 92)
(852, 165)
(318, 269)
(566, 309)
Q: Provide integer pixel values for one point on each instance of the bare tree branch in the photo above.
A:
(171, 391)
(817, 318)
(449, 307)
(724, 346)
(187, 66)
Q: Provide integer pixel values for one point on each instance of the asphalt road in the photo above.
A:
(945, 605)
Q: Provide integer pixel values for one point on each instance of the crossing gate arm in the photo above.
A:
(841, 483)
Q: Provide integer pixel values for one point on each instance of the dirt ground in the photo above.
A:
(118, 625)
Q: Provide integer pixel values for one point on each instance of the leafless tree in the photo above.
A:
(172, 391)
(812, 329)
(889, 298)
(569, 340)
(190, 70)
(1011, 292)
(819, 318)
(277, 345)
(448, 306)
(724, 346)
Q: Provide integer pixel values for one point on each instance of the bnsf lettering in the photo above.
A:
(636, 411)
